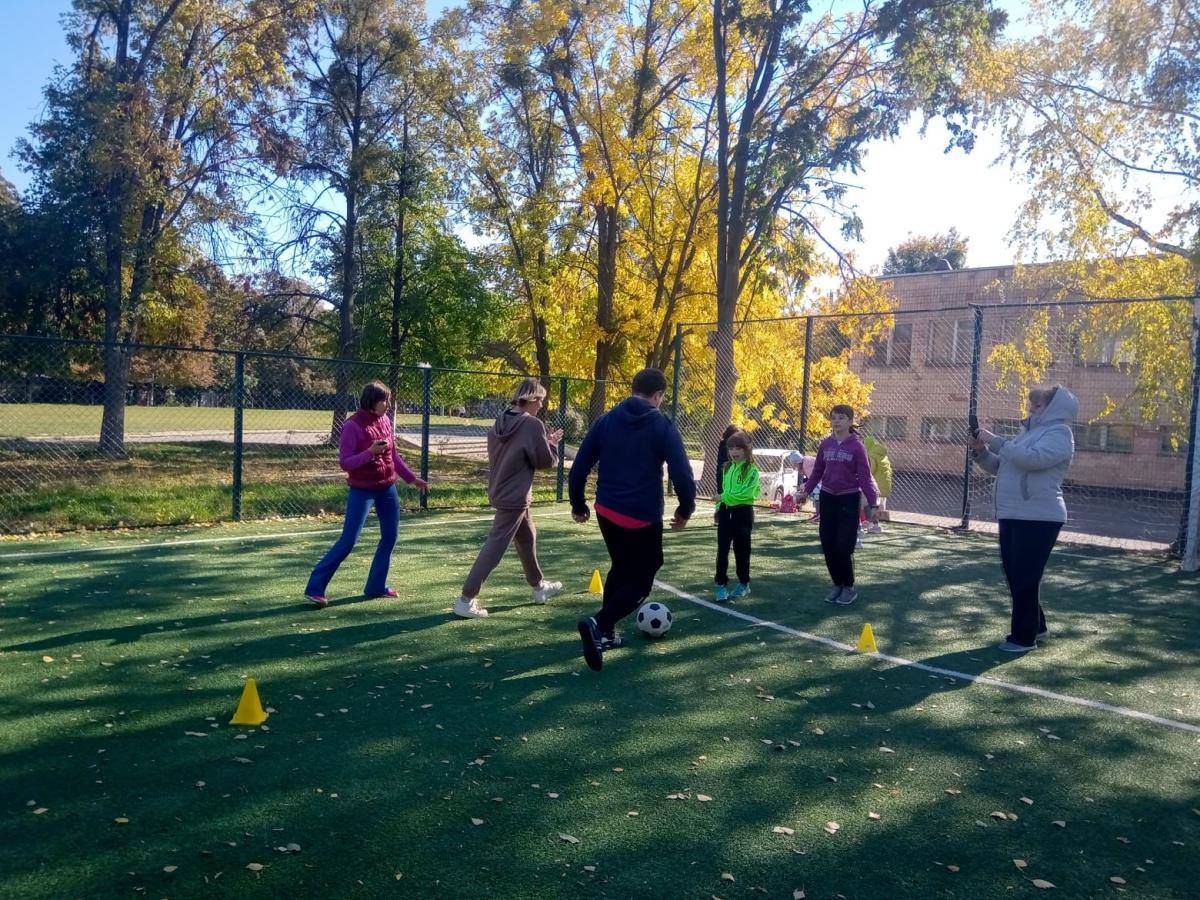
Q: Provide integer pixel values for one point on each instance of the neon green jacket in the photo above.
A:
(881, 466)
(740, 484)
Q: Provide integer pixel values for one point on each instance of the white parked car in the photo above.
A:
(776, 476)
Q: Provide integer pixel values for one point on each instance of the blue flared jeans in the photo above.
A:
(358, 504)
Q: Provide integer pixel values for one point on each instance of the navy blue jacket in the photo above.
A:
(631, 442)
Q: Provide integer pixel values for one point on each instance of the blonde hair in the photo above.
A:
(529, 389)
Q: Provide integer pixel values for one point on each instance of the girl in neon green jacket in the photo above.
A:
(740, 488)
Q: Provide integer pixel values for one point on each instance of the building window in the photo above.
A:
(887, 428)
(1104, 438)
(895, 349)
(950, 342)
(944, 430)
(1102, 350)
(1172, 441)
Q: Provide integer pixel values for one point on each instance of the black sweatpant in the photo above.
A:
(636, 555)
(734, 525)
(1024, 551)
(839, 533)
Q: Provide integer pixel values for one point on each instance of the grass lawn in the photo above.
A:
(412, 754)
(185, 483)
(70, 420)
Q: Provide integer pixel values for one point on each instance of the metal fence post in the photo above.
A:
(678, 364)
(239, 402)
(808, 333)
(972, 411)
(1189, 525)
(426, 403)
(560, 476)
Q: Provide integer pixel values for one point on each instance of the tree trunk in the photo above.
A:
(607, 239)
(116, 360)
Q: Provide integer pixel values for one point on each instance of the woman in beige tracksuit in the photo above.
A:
(518, 445)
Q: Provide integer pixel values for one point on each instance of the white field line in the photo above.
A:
(936, 670)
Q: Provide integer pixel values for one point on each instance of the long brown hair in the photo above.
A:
(739, 439)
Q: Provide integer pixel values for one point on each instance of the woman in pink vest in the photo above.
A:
(369, 459)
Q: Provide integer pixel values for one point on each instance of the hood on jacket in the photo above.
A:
(1063, 408)
(507, 423)
(636, 412)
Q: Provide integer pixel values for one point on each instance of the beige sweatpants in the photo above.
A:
(511, 526)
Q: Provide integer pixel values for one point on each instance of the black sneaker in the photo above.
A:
(616, 642)
(589, 635)
(847, 596)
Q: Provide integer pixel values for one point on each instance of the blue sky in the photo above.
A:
(908, 185)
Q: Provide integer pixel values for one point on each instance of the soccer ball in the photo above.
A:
(654, 619)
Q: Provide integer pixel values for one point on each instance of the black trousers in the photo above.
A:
(734, 525)
(1024, 551)
(839, 533)
(636, 555)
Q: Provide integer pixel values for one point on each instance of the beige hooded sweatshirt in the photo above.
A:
(517, 446)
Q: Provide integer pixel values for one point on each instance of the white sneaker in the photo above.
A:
(546, 590)
(469, 609)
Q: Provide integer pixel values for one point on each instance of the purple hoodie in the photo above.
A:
(843, 468)
(364, 469)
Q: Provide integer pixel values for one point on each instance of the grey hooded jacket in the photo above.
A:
(1030, 468)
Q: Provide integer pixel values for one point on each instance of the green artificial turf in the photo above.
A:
(412, 754)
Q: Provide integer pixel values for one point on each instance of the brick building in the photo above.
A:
(921, 374)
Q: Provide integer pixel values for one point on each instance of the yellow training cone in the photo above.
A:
(597, 586)
(249, 711)
(866, 640)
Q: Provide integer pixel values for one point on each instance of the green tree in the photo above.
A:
(927, 253)
(797, 98)
(143, 133)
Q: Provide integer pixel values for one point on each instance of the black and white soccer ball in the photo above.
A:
(654, 619)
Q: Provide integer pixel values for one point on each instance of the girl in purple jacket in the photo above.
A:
(843, 471)
(368, 457)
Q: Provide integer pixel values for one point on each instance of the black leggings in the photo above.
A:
(839, 533)
(636, 555)
(734, 525)
(1024, 551)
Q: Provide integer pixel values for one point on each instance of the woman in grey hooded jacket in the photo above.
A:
(1029, 471)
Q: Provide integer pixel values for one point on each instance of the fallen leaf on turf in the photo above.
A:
(874, 815)
(242, 760)
(196, 733)
(569, 838)
(870, 705)
(703, 798)
(951, 868)
(798, 894)
(793, 743)
(121, 820)
(818, 731)
(783, 829)
(476, 821)
(832, 827)
(999, 815)
(40, 810)
(552, 795)
(632, 813)
(953, 792)
(47, 659)
(1124, 840)
(254, 867)
(1116, 879)
(1027, 801)
(726, 876)
(1041, 883)
(618, 769)
(169, 869)
(832, 778)
(1060, 823)
(1012, 817)
(886, 750)
(677, 796)
(1020, 863)
(766, 741)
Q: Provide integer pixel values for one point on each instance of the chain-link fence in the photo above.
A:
(209, 436)
(915, 378)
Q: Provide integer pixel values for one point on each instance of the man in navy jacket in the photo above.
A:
(630, 442)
